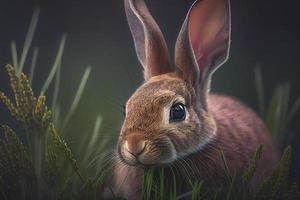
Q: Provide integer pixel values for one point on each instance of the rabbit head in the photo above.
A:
(168, 117)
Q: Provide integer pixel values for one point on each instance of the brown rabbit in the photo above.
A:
(172, 116)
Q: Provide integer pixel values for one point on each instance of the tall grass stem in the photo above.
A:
(33, 63)
(28, 39)
(77, 97)
(56, 63)
(14, 54)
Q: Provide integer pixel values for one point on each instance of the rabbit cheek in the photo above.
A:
(186, 137)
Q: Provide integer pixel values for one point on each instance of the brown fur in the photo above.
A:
(238, 131)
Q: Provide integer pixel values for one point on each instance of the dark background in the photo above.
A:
(264, 33)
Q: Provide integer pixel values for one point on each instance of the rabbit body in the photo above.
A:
(237, 132)
(172, 119)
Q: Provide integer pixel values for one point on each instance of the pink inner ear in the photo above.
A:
(200, 54)
(208, 30)
(203, 52)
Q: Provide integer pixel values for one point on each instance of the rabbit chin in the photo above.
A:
(147, 161)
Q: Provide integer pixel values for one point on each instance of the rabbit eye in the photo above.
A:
(177, 112)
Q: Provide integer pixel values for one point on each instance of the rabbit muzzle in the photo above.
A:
(135, 149)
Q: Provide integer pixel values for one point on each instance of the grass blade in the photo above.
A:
(33, 63)
(251, 168)
(56, 63)
(78, 95)
(56, 86)
(273, 110)
(161, 184)
(95, 134)
(56, 116)
(230, 189)
(196, 189)
(62, 145)
(28, 39)
(173, 189)
(148, 183)
(277, 115)
(285, 107)
(14, 54)
(226, 168)
(294, 110)
(270, 187)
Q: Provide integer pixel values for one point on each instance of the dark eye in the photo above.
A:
(177, 112)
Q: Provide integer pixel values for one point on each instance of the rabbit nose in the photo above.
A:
(135, 147)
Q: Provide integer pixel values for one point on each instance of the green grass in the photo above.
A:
(158, 185)
(278, 112)
(43, 166)
(56, 174)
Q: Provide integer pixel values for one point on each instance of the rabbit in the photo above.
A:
(172, 116)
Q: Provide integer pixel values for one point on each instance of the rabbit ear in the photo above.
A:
(149, 42)
(203, 42)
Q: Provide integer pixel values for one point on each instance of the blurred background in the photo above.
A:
(264, 34)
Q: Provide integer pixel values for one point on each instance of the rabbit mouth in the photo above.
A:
(151, 155)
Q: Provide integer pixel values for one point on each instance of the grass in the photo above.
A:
(158, 185)
(55, 171)
(77, 97)
(279, 111)
(56, 63)
(45, 167)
